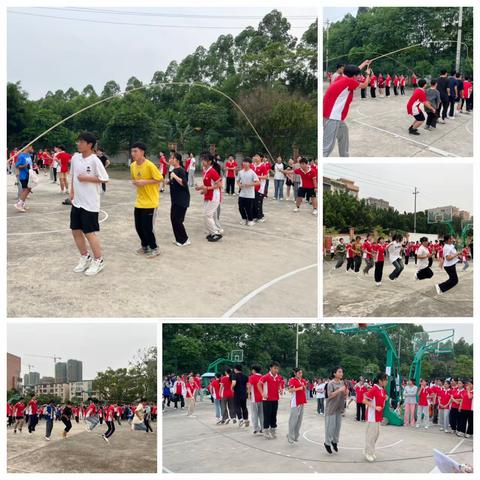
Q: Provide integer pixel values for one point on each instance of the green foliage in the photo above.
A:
(264, 64)
(379, 30)
(43, 399)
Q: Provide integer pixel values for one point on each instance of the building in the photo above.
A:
(464, 215)
(31, 378)
(377, 203)
(61, 372)
(340, 185)
(14, 367)
(74, 371)
(81, 390)
(61, 390)
(47, 380)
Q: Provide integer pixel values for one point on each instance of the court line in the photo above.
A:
(443, 153)
(453, 450)
(349, 448)
(166, 470)
(263, 287)
(46, 232)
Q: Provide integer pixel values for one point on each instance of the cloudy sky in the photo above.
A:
(464, 330)
(336, 14)
(439, 185)
(53, 53)
(98, 345)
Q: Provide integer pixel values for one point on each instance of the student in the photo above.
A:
(110, 422)
(433, 96)
(91, 417)
(465, 412)
(179, 389)
(256, 399)
(247, 182)
(230, 169)
(424, 395)
(63, 159)
(410, 403)
(375, 400)
(336, 394)
(32, 414)
(340, 253)
(413, 107)
(357, 254)
(262, 170)
(212, 183)
(298, 390)
(443, 87)
(396, 83)
(467, 95)
(180, 200)
(465, 256)
(163, 164)
(226, 394)
(336, 103)
(239, 386)
(146, 177)
(49, 417)
(423, 258)
(105, 162)
(367, 253)
(320, 395)
(270, 386)
(444, 406)
(402, 84)
(19, 415)
(453, 95)
(191, 391)
(23, 164)
(395, 256)
(87, 173)
(67, 419)
(388, 84)
(450, 259)
(381, 85)
(373, 85)
(338, 72)
(379, 249)
(138, 422)
(308, 185)
(278, 178)
(350, 256)
(190, 166)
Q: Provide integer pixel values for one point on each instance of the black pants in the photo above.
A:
(424, 273)
(230, 187)
(387, 91)
(104, 187)
(372, 92)
(444, 107)
(147, 424)
(453, 419)
(179, 398)
(363, 92)
(241, 410)
(435, 414)
(320, 405)
(378, 271)
(258, 214)
(144, 226)
(402, 90)
(398, 268)
(117, 417)
(49, 427)
(430, 262)
(339, 262)
(357, 262)
(68, 424)
(465, 422)
(350, 264)
(395, 90)
(361, 412)
(32, 422)
(451, 103)
(452, 278)
(101, 420)
(469, 103)
(111, 428)
(432, 118)
(270, 408)
(369, 265)
(246, 207)
(54, 174)
(177, 217)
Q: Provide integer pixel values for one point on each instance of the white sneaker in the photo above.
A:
(296, 209)
(20, 207)
(95, 267)
(47, 438)
(379, 284)
(243, 222)
(314, 212)
(178, 244)
(369, 458)
(251, 223)
(437, 288)
(83, 264)
(220, 231)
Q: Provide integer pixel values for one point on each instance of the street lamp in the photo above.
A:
(296, 346)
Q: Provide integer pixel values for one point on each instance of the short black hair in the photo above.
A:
(274, 364)
(443, 71)
(247, 159)
(351, 70)
(335, 370)
(208, 157)
(257, 368)
(61, 147)
(380, 377)
(177, 156)
(228, 371)
(423, 239)
(88, 137)
(457, 75)
(446, 238)
(218, 375)
(304, 160)
(143, 399)
(238, 367)
(454, 72)
(433, 82)
(139, 145)
(422, 82)
(340, 65)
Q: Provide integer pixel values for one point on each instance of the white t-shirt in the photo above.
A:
(320, 390)
(394, 251)
(192, 164)
(422, 262)
(87, 194)
(247, 176)
(447, 251)
(278, 175)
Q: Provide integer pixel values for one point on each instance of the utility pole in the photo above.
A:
(296, 344)
(415, 193)
(326, 47)
(459, 39)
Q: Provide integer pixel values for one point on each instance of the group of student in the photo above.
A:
(446, 94)
(92, 413)
(88, 173)
(374, 252)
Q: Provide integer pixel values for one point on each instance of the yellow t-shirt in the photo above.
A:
(148, 196)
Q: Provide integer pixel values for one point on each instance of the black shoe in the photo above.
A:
(328, 448)
(208, 237)
(214, 238)
(413, 131)
(334, 445)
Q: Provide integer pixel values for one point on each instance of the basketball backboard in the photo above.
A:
(440, 215)
(441, 341)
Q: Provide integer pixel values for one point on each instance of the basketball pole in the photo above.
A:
(415, 193)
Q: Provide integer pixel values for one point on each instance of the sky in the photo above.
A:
(98, 345)
(336, 14)
(52, 54)
(464, 330)
(439, 185)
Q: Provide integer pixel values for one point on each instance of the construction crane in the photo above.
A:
(54, 358)
(30, 367)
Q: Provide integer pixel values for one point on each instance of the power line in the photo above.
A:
(103, 22)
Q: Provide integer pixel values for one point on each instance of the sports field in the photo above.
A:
(347, 294)
(379, 128)
(228, 448)
(243, 275)
(82, 452)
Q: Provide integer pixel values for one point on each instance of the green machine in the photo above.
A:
(435, 342)
(391, 364)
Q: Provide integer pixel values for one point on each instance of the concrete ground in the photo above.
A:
(379, 128)
(230, 449)
(82, 452)
(347, 294)
(242, 275)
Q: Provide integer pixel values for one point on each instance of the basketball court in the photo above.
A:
(379, 128)
(243, 275)
(82, 452)
(229, 449)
